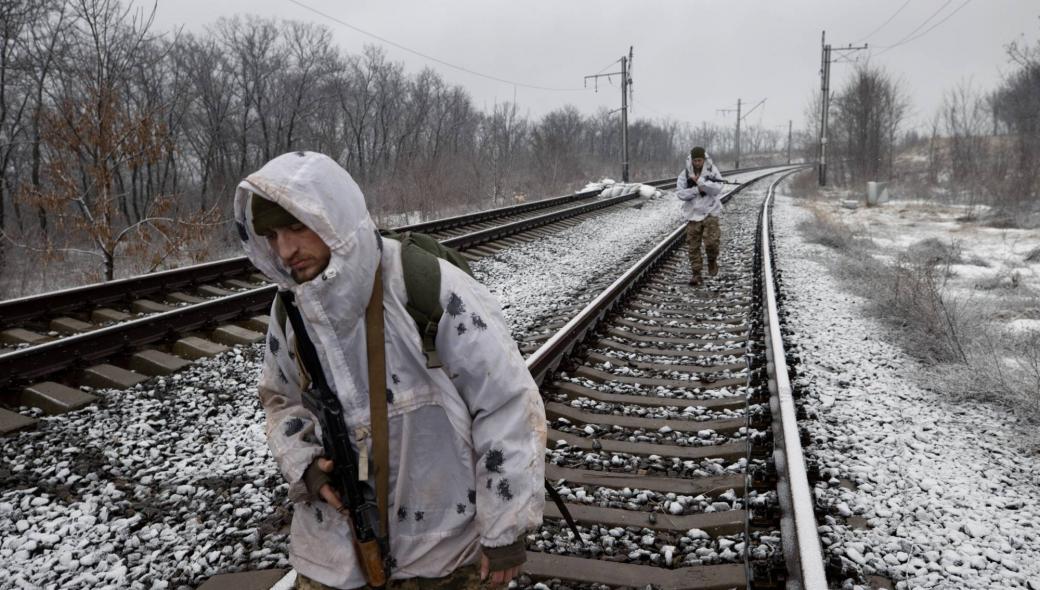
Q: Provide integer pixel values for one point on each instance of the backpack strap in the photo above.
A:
(422, 284)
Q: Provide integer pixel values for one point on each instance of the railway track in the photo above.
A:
(121, 333)
(672, 431)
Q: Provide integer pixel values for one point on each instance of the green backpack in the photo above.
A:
(422, 283)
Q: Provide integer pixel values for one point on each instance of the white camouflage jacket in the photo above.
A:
(696, 206)
(466, 441)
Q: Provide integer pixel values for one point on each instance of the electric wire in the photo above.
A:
(882, 25)
(928, 30)
(430, 57)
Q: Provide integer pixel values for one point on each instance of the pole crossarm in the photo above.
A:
(626, 88)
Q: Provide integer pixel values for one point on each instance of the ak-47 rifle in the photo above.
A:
(370, 541)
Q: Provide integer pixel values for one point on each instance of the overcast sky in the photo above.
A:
(692, 58)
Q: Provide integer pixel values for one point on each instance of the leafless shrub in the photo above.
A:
(1002, 366)
(935, 251)
(912, 295)
(826, 229)
(1034, 255)
(1010, 280)
(1002, 222)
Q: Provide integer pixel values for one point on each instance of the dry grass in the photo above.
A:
(827, 229)
(968, 353)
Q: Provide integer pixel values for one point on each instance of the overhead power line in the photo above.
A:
(882, 25)
(430, 57)
(906, 40)
(922, 25)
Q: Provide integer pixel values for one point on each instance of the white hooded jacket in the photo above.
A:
(466, 441)
(695, 206)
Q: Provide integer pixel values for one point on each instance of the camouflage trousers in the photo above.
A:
(706, 231)
(464, 578)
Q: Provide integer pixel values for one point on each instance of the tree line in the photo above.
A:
(982, 147)
(122, 143)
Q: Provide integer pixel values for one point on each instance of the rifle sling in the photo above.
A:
(375, 341)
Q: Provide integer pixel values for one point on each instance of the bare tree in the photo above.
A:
(868, 113)
(1016, 105)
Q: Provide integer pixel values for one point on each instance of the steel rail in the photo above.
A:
(803, 556)
(15, 311)
(50, 357)
(479, 237)
(28, 363)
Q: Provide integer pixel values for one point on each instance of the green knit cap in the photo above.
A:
(268, 215)
(697, 152)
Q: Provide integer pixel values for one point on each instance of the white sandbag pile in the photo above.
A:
(619, 189)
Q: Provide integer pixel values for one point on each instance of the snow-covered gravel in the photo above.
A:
(948, 490)
(565, 455)
(650, 547)
(168, 483)
(152, 487)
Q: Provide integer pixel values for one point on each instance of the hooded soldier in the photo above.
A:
(466, 441)
(698, 187)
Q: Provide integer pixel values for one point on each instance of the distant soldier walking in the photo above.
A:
(698, 187)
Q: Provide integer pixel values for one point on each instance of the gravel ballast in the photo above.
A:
(945, 492)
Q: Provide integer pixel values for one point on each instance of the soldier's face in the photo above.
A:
(300, 249)
(698, 163)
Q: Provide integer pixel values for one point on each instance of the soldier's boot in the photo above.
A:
(695, 280)
(713, 267)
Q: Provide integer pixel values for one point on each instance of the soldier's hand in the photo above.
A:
(327, 492)
(318, 483)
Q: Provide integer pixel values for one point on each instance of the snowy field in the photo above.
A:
(926, 491)
(998, 268)
(166, 484)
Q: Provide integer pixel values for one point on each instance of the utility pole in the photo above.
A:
(626, 89)
(789, 127)
(738, 134)
(739, 119)
(825, 90)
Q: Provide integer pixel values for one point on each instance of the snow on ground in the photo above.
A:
(993, 261)
(168, 483)
(151, 487)
(948, 490)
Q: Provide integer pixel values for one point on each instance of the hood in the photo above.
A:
(708, 164)
(324, 197)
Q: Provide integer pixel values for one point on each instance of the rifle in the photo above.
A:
(370, 541)
(718, 180)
